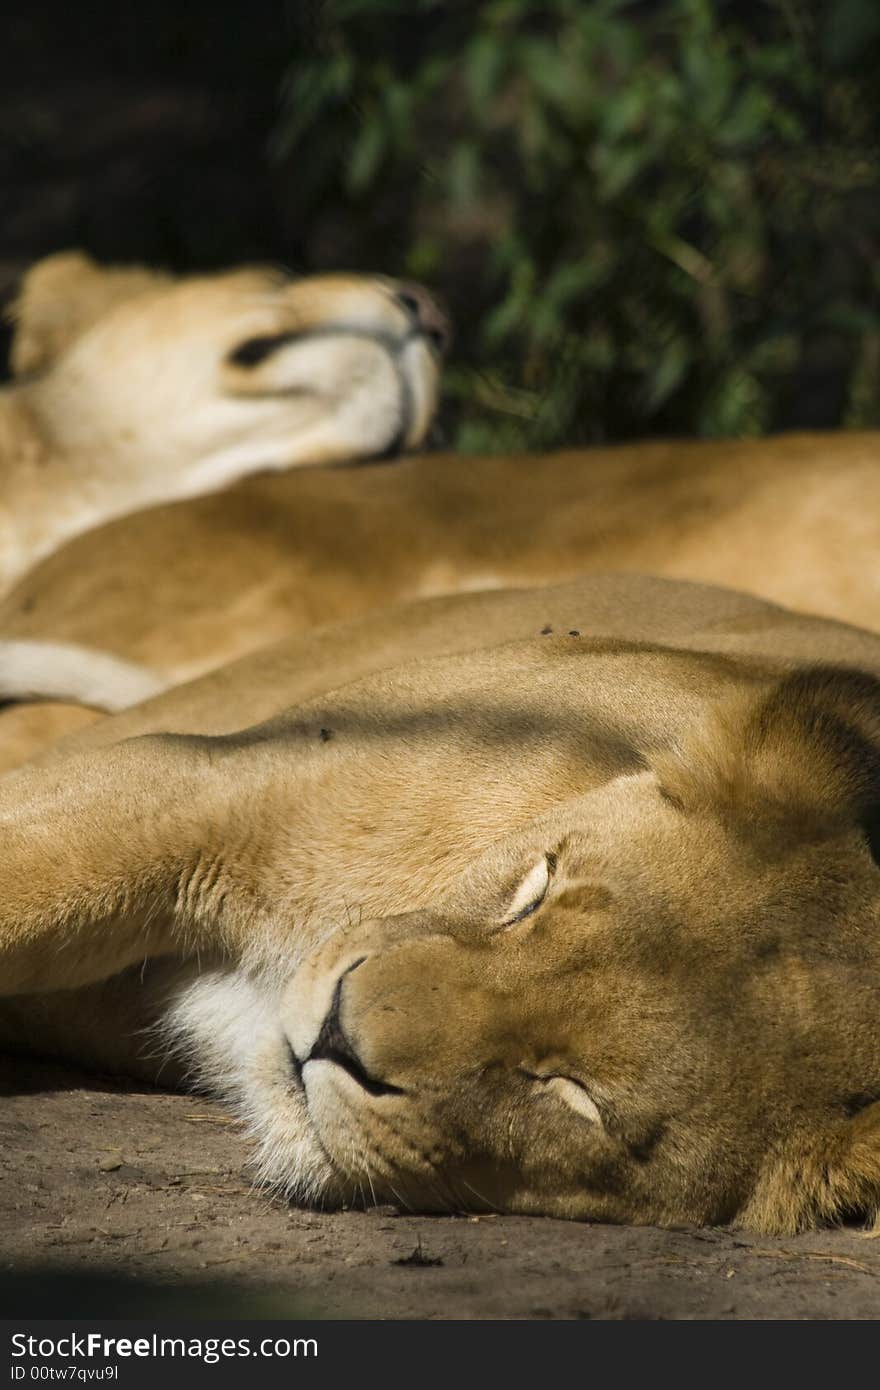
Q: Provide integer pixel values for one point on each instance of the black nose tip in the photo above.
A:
(426, 314)
(333, 1044)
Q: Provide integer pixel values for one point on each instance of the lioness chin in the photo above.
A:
(136, 387)
(559, 901)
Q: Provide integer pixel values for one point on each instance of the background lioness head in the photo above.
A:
(228, 372)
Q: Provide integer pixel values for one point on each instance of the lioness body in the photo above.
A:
(466, 929)
(184, 587)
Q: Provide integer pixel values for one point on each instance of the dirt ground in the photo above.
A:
(137, 1202)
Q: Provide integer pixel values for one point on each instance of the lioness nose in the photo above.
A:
(425, 313)
(333, 1045)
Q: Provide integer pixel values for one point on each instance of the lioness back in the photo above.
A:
(184, 587)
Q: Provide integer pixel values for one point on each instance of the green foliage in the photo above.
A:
(649, 216)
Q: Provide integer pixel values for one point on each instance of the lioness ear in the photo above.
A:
(60, 298)
(830, 1178)
(818, 737)
(805, 749)
(870, 823)
(854, 1180)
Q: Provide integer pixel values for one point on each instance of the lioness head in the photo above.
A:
(229, 372)
(604, 944)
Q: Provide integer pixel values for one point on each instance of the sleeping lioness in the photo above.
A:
(181, 588)
(136, 387)
(560, 901)
(184, 587)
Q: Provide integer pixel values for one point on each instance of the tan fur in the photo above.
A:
(683, 1029)
(28, 729)
(50, 689)
(186, 586)
(61, 297)
(141, 397)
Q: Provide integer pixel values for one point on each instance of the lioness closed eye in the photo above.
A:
(531, 913)
(138, 388)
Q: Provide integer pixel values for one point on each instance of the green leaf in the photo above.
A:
(366, 155)
(463, 174)
(483, 66)
(668, 374)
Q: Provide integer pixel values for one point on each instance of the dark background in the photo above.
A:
(648, 216)
(139, 131)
